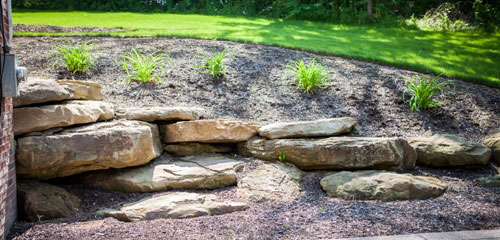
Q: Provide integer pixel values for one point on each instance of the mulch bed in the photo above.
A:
(257, 88)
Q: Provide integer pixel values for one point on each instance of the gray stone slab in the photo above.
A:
(461, 235)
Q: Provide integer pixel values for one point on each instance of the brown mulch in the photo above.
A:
(257, 88)
(46, 28)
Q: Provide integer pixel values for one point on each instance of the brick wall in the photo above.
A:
(8, 208)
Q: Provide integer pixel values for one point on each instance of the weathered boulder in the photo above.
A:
(82, 90)
(34, 119)
(335, 152)
(190, 149)
(116, 144)
(175, 205)
(493, 142)
(444, 150)
(276, 181)
(151, 114)
(381, 185)
(490, 181)
(319, 128)
(208, 131)
(196, 172)
(37, 91)
(41, 201)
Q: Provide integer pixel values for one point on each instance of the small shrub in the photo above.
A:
(282, 156)
(74, 58)
(308, 77)
(144, 68)
(423, 91)
(215, 65)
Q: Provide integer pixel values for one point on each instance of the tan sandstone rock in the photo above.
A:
(493, 142)
(41, 201)
(175, 205)
(116, 144)
(197, 172)
(151, 114)
(190, 149)
(276, 181)
(36, 91)
(335, 152)
(319, 128)
(381, 185)
(34, 119)
(82, 90)
(208, 131)
(444, 150)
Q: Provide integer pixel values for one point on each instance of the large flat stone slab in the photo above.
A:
(196, 172)
(39, 118)
(444, 150)
(319, 128)
(271, 181)
(493, 142)
(41, 201)
(208, 131)
(190, 149)
(151, 114)
(381, 185)
(35, 91)
(335, 152)
(82, 90)
(175, 205)
(116, 144)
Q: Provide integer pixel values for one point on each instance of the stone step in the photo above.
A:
(493, 142)
(39, 201)
(151, 114)
(271, 181)
(116, 144)
(444, 150)
(319, 128)
(381, 185)
(82, 90)
(195, 172)
(335, 152)
(40, 118)
(174, 205)
(208, 131)
(36, 91)
(43, 91)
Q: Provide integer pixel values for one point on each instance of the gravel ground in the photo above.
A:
(257, 88)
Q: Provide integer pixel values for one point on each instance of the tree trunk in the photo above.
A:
(369, 9)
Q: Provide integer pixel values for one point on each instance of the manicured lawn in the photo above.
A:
(471, 56)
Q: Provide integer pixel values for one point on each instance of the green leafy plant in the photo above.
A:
(215, 65)
(282, 156)
(423, 91)
(308, 77)
(74, 58)
(144, 68)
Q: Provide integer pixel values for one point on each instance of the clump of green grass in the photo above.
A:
(144, 68)
(215, 65)
(74, 58)
(423, 91)
(282, 156)
(308, 77)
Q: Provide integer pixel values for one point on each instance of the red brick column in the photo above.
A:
(8, 208)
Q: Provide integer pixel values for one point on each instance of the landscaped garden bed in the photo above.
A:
(258, 88)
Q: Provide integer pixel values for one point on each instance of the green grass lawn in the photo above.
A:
(470, 56)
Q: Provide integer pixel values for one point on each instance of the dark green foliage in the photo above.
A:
(483, 13)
